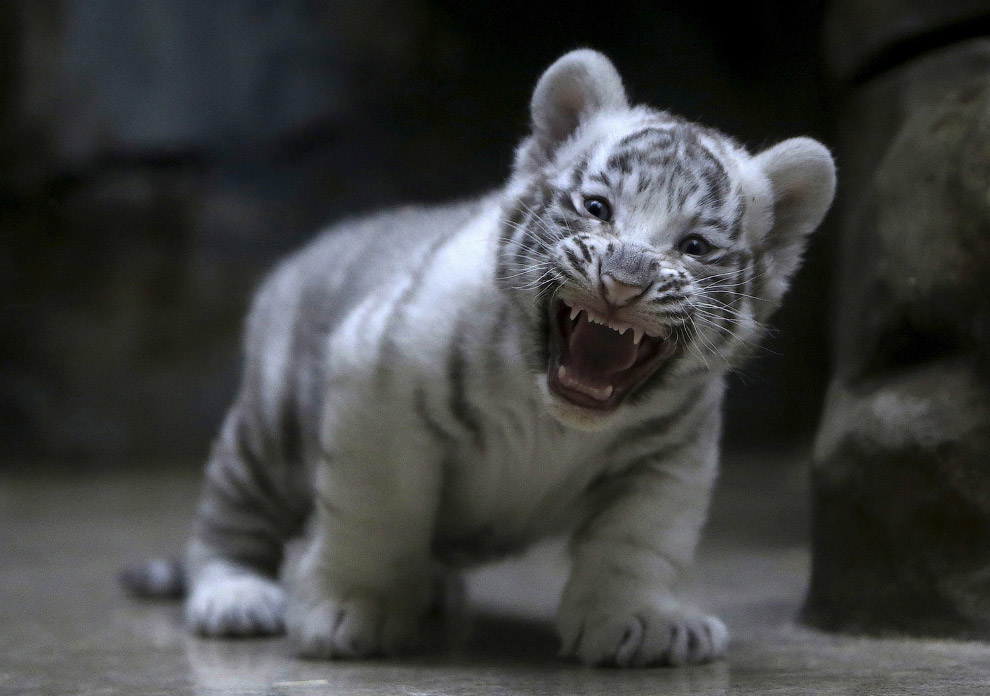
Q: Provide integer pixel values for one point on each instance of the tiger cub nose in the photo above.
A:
(618, 293)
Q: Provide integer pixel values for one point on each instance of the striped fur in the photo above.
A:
(395, 395)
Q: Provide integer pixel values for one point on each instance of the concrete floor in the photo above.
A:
(66, 628)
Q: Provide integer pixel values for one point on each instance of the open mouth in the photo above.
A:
(596, 360)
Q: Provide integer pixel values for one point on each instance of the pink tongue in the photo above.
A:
(596, 351)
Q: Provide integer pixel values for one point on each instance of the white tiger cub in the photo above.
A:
(432, 388)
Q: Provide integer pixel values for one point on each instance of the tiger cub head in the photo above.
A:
(643, 247)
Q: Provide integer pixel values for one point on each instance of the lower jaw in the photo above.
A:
(579, 399)
(594, 407)
(577, 417)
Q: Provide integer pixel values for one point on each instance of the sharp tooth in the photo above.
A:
(637, 336)
(575, 311)
(622, 330)
(561, 373)
(607, 392)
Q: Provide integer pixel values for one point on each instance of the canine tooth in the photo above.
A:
(606, 392)
(637, 336)
(575, 311)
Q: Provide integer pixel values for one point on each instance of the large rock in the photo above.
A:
(863, 38)
(901, 538)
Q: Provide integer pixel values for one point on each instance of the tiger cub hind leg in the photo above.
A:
(248, 511)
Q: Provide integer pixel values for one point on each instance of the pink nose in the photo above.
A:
(618, 293)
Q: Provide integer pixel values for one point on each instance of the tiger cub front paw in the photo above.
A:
(353, 627)
(639, 634)
(236, 605)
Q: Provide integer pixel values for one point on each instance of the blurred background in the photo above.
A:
(156, 158)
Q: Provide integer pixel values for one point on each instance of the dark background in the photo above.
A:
(156, 158)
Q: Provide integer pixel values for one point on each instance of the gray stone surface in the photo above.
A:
(901, 538)
(67, 629)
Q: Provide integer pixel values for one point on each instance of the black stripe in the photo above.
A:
(685, 190)
(256, 468)
(531, 234)
(228, 517)
(657, 426)
(669, 297)
(584, 249)
(563, 201)
(232, 492)
(622, 161)
(612, 483)
(603, 178)
(290, 430)
(729, 258)
(544, 336)
(712, 222)
(644, 183)
(387, 346)
(658, 380)
(493, 362)
(576, 262)
(760, 279)
(750, 274)
(261, 551)
(578, 174)
(661, 138)
(672, 284)
(724, 318)
(563, 225)
(432, 426)
(735, 228)
(463, 411)
(506, 234)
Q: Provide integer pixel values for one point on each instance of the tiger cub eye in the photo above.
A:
(599, 208)
(693, 245)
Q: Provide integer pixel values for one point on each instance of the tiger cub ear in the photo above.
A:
(801, 173)
(579, 84)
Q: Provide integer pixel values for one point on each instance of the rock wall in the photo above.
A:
(901, 489)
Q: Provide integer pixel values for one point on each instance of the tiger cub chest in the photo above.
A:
(526, 485)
